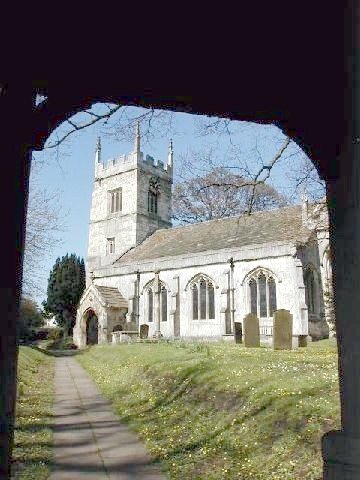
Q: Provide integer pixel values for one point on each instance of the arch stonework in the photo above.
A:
(197, 277)
(329, 136)
(256, 271)
(90, 302)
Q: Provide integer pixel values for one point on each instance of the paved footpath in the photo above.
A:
(89, 440)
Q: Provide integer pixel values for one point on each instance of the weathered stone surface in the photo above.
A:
(238, 332)
(282, 330)
(144, 331)
(251, 331)
(303, 340)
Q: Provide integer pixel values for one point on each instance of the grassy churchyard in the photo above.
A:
(33, 437)
(222, 411)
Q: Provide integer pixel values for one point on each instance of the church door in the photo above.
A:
(92, 329)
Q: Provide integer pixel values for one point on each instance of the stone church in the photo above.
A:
(195, 281)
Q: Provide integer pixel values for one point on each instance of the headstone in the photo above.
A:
(144, 330)
(303, 340)
(282, 330)
(251, 331)
(115, 338)
(238, 332)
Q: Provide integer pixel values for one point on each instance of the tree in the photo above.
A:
(65, 286)
(29, 318)
(219, 194)
(42, 228)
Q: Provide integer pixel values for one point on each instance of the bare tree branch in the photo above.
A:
(76, 127)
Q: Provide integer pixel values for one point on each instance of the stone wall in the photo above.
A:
(133, 223)
(177, 272)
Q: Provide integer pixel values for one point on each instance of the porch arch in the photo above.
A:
(91, 327)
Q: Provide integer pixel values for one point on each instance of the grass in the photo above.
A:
(57, 344)
(33, 436)
(222, 411)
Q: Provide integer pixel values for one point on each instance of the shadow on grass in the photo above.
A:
(55, 353)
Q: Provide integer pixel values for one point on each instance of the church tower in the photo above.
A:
(131, 199)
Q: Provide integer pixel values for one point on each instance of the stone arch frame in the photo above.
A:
(321, 145)
(258, 270)
(197, 277)
(84, 324)
(255, 273)
(149, 283)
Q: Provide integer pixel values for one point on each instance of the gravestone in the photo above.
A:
(238, 332)
(144, 330)
(251, 331)
(302, 340)
(282, 330)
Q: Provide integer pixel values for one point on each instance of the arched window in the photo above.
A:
(203, 299)
(310, 290)
(152, 202)
(262, 292)
(153, 194)
(162, 299)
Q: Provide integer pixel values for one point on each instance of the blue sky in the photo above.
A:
(70, 168)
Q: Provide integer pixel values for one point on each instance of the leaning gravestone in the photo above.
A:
(251, 331)
(238, 332)
(144, 330)
(282, 330)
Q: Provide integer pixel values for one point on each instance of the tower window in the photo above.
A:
(152, 202)
(153, 194)
(110, 245)
(114, 201)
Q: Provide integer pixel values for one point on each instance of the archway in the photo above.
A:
(240, 96)
(92, 328)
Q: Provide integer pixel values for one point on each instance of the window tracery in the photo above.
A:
(202, 298)
(262, 293)
(153, 193)
(163, 302)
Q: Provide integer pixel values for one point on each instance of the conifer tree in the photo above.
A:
(65, 286)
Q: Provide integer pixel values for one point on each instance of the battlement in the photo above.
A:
(130, 161)
(124, 163)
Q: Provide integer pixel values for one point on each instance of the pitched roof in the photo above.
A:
(111, 296)
(284, 224)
